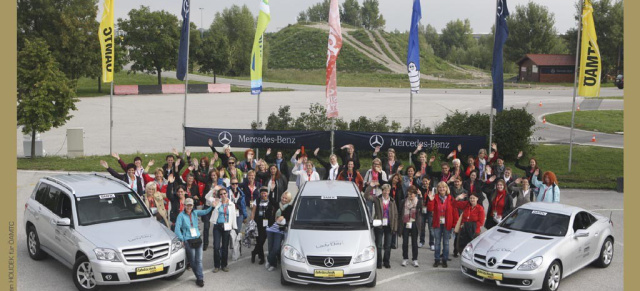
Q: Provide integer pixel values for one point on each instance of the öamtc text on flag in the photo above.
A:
(107, 45)
(590, 61)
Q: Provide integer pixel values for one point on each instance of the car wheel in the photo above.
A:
(83, 276)
(283, 282)
(620, 86)
(552, 277)
(606, 254)
(176, 276)
(33, 244)
(373, 283)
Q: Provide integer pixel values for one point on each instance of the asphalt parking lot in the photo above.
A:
(52, 275)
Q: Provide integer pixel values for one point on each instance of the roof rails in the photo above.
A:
(112, 178)
(63, 184)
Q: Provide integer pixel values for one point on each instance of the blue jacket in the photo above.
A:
(552, 192)
(183, 225)
(242, 210)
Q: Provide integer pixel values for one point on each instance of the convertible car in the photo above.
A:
(538, 245)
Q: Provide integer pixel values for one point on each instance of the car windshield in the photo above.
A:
(109, 207)
(538, 222)
(330, 213)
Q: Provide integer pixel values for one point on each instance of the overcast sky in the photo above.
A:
(397, 13)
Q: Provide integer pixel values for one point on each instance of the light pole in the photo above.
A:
(201, 27)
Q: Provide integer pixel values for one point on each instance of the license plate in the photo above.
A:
(149, 270)
(328, 273)
(489, 275)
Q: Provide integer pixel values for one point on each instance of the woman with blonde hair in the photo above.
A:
(445, 217)
(157, 199)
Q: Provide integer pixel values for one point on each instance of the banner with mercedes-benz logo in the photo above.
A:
(249, 138)
(406, 142)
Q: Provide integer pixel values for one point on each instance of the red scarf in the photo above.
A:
(499, 202)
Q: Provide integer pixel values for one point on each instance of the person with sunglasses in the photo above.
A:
(188, 233)
(231, 171)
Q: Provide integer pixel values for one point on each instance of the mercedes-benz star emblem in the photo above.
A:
(328, 262)
(225, 137)
(148, 254)
(376, 140)
(491, 262)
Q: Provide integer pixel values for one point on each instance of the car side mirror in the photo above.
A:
(581, 233)
(63, 222)
(377, 222)
(154, 210)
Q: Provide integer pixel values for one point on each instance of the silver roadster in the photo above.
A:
(539, 244)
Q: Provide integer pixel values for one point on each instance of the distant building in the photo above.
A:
(546, 68)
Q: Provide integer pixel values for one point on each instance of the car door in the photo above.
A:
(583, 248)
(64, 240)
(35, 208)
(46, 223)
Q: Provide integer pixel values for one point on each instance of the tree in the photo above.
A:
(45, 97)
(239, 25)
(608, 20)
(68, 27)
(302, 17)
(456, 34)
(153, 39)
(350, 13)
(531, 31)
(370, 15)
(319, 12)
(214, 56)
(433, 39)
(195, 45)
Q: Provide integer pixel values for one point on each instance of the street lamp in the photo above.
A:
(201, 26)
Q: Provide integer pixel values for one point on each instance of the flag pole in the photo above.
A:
(186, 87)
(493, 88)
(258, 125)
(410, 116)
(111, 119)
(575, 85)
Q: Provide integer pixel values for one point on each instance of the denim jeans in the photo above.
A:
(195, 258)
(442, 243)
(413, 232)
(427, 222)
(220, 246)
(383, 241)
(274, 242)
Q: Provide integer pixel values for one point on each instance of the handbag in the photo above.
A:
(195, 243)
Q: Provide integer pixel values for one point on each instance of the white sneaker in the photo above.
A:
(420, 245)
(270, 269)
(433, 248)
(266, 265)
(415, 263)
(404, 263)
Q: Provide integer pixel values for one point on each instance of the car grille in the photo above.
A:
(346, 278)
(137, 255)
(504, 265)
(337, 261)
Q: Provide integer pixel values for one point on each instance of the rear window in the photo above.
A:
(330, 213)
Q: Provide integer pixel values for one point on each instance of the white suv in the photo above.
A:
(101, 229)
(330, 238)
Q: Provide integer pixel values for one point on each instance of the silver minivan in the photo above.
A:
(330, 238)
(97, 226)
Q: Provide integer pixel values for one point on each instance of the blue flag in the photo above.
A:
(413, 53)
(183, 53)
(502, 32)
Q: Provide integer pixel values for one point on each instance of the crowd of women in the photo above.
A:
(415, 203)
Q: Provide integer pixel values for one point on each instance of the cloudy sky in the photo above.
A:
(396, 12)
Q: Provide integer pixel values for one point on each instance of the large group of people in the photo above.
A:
(416, 203)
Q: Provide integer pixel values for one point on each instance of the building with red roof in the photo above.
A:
(545, 68)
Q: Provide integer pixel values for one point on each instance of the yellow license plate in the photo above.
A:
(328, 273)
(149, 270)
(489, 275)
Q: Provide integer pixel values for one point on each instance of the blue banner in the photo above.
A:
(408, 142)
(502, 32)
(249, 138)
(413, 53)
(183, 53)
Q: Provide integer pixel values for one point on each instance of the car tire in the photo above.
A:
(606, 254)
(284, 282)
(372, 283)
(33, 244)
(552, 277)
(83, 276)
(176, 276)
(620, 86)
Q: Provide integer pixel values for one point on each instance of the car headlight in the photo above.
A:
(106, 255)
(366, 254)
(291, 253)
(468, 251)
(531, 264)
(176, 245)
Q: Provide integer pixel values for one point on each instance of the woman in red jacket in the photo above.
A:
(445, 217)
(472, 219)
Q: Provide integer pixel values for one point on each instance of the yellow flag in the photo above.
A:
(590, 61)
(107, 45)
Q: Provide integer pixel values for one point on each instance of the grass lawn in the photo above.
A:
(593, 167)
(608, 121)
(89, 87)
